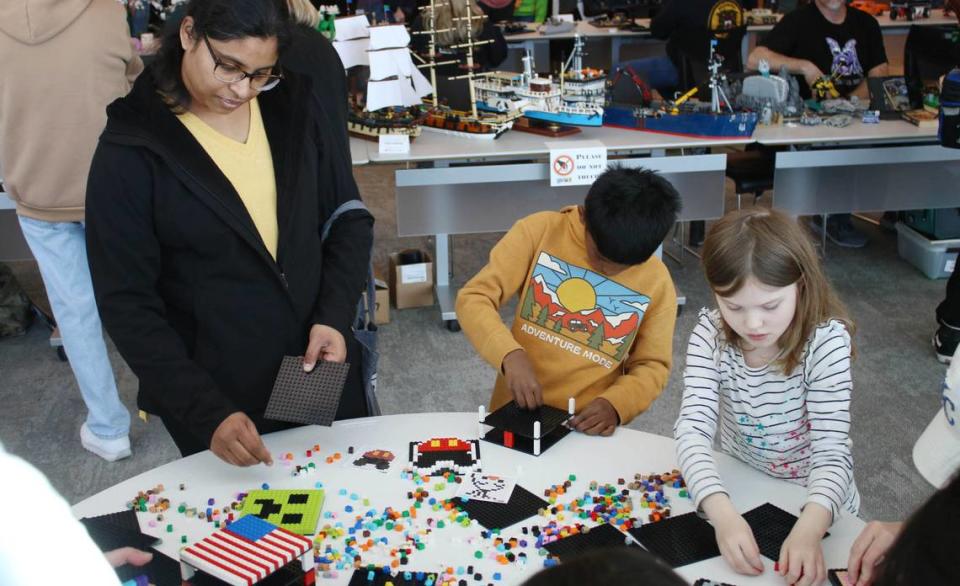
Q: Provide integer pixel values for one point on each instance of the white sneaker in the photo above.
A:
(110, 450)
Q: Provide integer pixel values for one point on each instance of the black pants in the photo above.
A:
(948, 312)
(353, 404)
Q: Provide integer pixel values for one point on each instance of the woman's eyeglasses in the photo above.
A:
(228, 73)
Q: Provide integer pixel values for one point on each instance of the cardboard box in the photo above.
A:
(411, 284)
(382, 308)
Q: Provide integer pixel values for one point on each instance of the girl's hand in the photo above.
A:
(738, 546)
(734, 537)
(801, 556)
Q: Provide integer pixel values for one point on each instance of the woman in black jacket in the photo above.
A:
(204, 283)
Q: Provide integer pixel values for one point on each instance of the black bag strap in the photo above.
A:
(365, 313)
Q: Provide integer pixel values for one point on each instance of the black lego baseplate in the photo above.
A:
(525, 444)
(361, 577)
(512, 418)
(307, 397)
(116, 530)
(605, 535)
(522, 505)
(681, 540)
(771, 526)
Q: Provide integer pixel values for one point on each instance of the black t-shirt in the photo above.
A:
(848, 51)
(688, 26)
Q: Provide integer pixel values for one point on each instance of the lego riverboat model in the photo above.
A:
(577, 99)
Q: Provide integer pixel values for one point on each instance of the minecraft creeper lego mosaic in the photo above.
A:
(294, 510)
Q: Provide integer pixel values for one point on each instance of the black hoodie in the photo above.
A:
(195, 303)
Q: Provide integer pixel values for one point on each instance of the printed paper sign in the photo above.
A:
(413, 273)
(576, 163)
(394, 144)
(486, 487)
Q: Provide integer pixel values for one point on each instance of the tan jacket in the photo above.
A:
(61, 63)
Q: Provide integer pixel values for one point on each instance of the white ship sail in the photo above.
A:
(383, 94)
(352, 27)
(352, 53)
(388, 37)
(391, 92)
(352, 40)
(395, 65)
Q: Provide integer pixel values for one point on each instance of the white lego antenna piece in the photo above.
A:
(536, 438)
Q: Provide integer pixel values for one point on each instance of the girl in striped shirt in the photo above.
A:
(771, 370)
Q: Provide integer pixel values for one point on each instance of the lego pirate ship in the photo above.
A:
(391, 102)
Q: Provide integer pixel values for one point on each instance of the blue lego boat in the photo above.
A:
(693, 124)
(564, 118)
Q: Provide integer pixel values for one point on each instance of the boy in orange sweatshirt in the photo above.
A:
(597, 310)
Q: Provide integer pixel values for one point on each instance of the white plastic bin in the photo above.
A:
(935, 258)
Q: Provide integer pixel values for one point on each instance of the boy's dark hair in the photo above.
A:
(624, 566)
(925, 552)
(628, 213)
(221, 20)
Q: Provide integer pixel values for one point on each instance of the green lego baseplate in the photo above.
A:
(296, 510)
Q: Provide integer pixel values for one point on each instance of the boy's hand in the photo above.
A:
(522, 380)
(734, 536)
(801, 555)
(597, 418)
(869, 548)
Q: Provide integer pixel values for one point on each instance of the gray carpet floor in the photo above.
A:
(427, 368)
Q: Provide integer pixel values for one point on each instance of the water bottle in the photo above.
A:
(949, 131)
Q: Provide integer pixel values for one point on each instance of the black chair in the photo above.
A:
(751, 172)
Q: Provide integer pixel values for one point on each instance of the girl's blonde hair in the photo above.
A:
(772, 248)
(303, 12)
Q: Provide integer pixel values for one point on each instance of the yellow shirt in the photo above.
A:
(249, 168)
(587, 335)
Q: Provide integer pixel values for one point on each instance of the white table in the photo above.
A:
(514, 144)
(590, 458)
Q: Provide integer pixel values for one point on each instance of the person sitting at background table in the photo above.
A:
(771, 369)
(687, 26)
(597, 308)
(531, 10)
(827, 39)
(207, 196)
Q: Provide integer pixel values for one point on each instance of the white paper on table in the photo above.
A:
(486, 487)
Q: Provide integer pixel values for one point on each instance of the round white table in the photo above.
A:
(604, 460)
